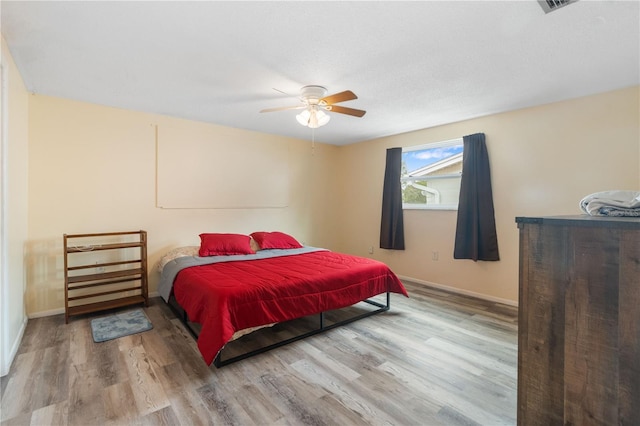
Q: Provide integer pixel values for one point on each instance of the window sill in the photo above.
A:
(432, 207)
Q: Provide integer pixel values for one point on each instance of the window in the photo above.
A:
(431, 175)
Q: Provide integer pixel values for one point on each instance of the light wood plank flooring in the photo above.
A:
(434, 359)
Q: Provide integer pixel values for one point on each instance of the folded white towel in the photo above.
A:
(612, 203)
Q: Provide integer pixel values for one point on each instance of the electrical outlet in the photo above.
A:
(434, 255)
(370, 249)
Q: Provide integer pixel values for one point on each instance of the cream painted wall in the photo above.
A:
(543, 161)
(14, 179)
(92, 169)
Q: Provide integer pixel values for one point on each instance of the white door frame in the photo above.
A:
(4, 290)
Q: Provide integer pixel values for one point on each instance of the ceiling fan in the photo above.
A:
(315, 101)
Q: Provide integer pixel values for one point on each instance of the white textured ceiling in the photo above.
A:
(413, 65)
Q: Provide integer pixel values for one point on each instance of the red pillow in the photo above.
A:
(275, 240)
(224, 244)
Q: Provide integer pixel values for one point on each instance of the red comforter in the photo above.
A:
(231, 296)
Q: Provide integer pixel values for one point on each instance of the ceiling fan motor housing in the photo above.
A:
(313, 94)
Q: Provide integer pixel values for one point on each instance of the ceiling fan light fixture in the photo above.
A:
(322, 117)
(303, 117)
(313, 118)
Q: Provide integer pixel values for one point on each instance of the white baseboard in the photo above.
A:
(462, 291)
(48, 313)
(4, 369)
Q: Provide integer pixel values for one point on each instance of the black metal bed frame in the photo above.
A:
(219, 362)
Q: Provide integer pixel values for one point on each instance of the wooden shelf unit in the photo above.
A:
(105, 278)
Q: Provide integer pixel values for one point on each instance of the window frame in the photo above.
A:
(457, 175)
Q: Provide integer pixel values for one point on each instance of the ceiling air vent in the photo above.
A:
(551, 5)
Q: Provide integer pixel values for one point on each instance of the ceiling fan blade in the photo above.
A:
(345, 110)
(284, 108)
(284, 93)
(347, 95)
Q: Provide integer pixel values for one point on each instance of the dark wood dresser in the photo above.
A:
(579, 321)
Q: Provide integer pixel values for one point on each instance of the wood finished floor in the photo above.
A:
(434, 359)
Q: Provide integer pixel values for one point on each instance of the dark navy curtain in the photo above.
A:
(392, 225)
(476, 236)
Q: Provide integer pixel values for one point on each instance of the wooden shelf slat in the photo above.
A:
(104, 234)
(107, 304)
(104, 275)
(99, 265)
(104, 283)
(98, 247)
(104, 293)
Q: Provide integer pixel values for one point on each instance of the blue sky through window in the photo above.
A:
(417, 159)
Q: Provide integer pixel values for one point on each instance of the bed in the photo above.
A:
(229, 291)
